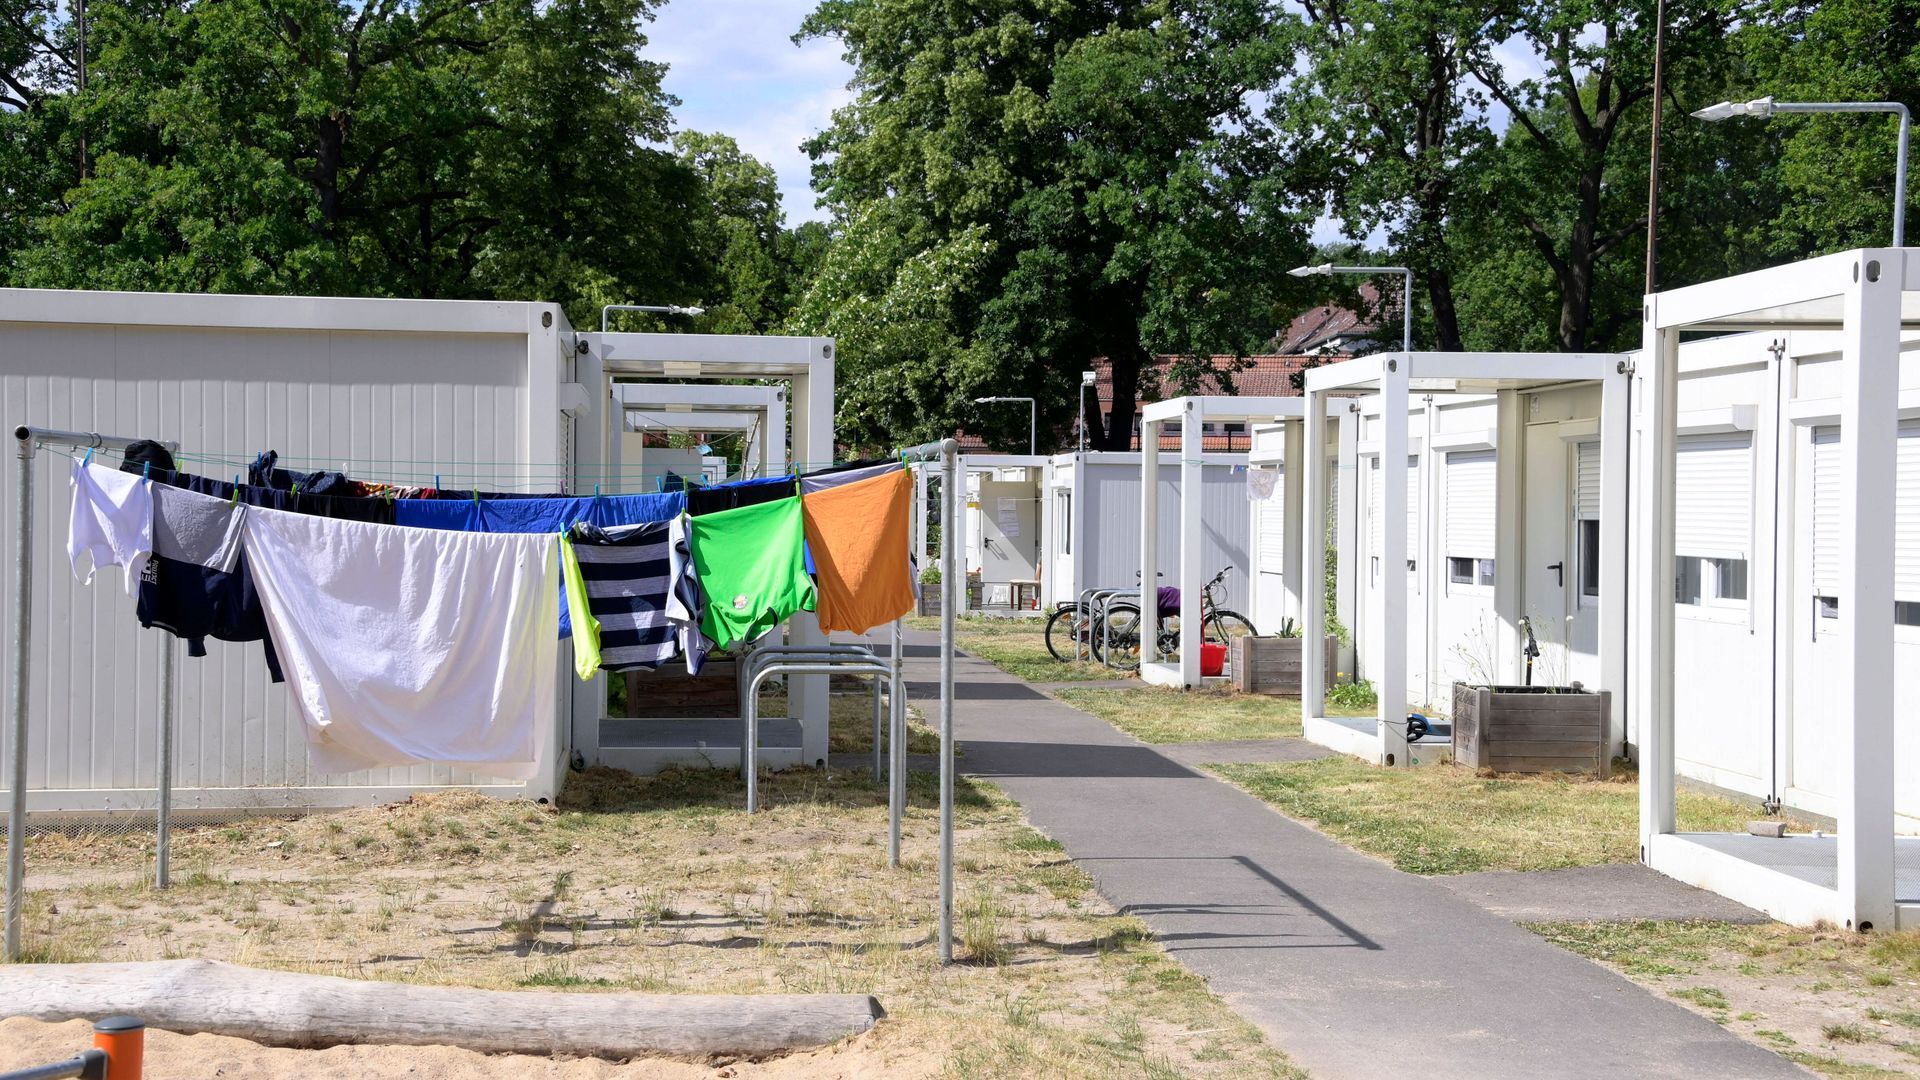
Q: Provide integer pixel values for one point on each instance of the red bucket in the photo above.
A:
(1213, 658)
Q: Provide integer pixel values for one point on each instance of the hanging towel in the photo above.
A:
(111, 523)
(536, 515)
(642, 602)
(411, 646)
(858, 533)
(751, 569)
(847, 474)
(1261, 482)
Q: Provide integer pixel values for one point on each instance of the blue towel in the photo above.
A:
(538, 516)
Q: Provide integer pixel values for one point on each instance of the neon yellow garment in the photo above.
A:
(752, 568)
(586, 628)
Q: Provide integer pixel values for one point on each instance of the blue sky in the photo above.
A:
(735, 70)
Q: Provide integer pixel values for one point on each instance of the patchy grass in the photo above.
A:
(1448, 820)
(662, 884)
(1840, 1003)
(1158, 714)
(850, 724)
(1017, 646)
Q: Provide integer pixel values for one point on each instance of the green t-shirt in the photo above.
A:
(752, 568)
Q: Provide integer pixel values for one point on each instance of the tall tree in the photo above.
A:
(1023, 185)
(432, 148)
(1400, 124)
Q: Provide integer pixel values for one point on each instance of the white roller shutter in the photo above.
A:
(1826, 511)
(1471, 504)
(1273, 527)
(1713, 496)
(1586, 482)
(1906, 514)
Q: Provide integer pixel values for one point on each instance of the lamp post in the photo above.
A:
(658, 309)
(1087, 378)
(1406, 296)
(1032, 414)
(1764, 108)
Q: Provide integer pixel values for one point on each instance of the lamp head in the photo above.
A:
(1323, 270)
(678, 310)
(1088, 378)
(1759, 108)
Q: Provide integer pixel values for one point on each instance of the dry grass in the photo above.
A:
(1448, 820)
(1158, 714)
(1840, 1003)
(663, 884)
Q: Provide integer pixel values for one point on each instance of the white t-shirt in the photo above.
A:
(112, 522)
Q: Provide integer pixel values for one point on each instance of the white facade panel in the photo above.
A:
(1110, 548)
(388, 404)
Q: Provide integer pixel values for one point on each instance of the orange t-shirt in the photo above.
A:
(858, 535)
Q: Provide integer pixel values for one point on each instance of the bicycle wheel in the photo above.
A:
(1227, 625)
(1062, 626)
(1119, 637)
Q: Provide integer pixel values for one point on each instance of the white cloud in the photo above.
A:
(735, 69)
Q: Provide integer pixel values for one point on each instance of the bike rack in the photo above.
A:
(1104, 604)
(768, 661)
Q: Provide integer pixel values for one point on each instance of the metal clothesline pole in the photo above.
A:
(28, 440)
(948, 453)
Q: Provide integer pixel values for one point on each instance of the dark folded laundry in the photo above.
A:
(712, 500)
(262, 473)
(140, 456)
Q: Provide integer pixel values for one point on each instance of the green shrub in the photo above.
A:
(1358, 694)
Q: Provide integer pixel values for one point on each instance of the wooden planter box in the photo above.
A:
(929, 599)
(1271, 665)
(1531, 729)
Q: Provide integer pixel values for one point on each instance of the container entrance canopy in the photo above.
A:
(1394, 377)
(1192, 414)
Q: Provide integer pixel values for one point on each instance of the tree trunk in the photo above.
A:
(1126, 363)
(284, 1009)
(1576, 283)
(329, 152)
(1446, 319)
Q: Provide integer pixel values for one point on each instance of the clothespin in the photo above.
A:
(596, 491)
(476, 498)
(436, 482)
(88, 460)
(296, 487)
(146, 470)
(234, 499)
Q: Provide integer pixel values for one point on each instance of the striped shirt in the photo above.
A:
(641, 588)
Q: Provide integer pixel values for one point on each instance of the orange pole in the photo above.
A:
(124, 1039)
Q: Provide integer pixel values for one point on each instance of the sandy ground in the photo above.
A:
(29, 1042)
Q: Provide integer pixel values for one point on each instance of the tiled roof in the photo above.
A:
(1314, 330)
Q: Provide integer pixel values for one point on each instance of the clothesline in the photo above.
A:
(424, 630)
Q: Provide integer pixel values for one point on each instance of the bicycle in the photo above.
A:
(1069, 625)
(1119, 640)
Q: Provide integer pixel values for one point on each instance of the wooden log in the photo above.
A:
(287, 1009)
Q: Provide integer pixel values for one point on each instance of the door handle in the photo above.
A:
(1559, 574)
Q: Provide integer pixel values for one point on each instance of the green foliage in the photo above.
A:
(1358, 694)
(1024, 185)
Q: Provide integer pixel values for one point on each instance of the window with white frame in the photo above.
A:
(1063, 518)
(1470, 511)
(1713, 519)
(1586, 520)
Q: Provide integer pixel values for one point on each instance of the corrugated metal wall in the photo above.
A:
(1111, 546)
(373, 402)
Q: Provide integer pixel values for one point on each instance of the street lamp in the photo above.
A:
(1032, 412)
(658, 309)
(1087, 378)
(1406, 301)
(1764, 108)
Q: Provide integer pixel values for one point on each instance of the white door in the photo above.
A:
(1059, 584)
(1811, 769)
(1566, 633)
(1009, 519)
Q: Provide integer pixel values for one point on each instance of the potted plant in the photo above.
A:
(1546, 725)
(930, 591)
(1271, 665)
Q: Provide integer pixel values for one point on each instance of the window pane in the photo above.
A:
(1486, 571)
(1589, 557)
(1906, 613)
(1686, 579)
(1460, 571)
(1827, 606)
(1731, 578)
